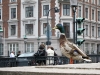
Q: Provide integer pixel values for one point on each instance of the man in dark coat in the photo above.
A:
(41, 54)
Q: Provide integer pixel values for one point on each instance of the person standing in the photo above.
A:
(12, 54)
(50, 54)
(18, 53)
(55, 56)
(41, 53)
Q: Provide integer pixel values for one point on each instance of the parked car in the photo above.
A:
(28, 54)
(26, 59)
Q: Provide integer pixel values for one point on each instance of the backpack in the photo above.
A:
(40, 52)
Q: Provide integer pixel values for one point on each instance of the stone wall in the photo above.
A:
(37, 73)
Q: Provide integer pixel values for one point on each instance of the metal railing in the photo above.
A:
(32, 61)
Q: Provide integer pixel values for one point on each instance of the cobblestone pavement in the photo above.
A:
(86, 68)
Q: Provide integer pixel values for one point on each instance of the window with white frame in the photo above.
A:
(92, 14)
(1, 33)
(1, 49)
(12, 30)
(86, 13)
(98, 31)
(93, 1)
(66, 9)
(86, 30)
(12, 0)
(13, 13)
(0, 14)
(98, 15)
(92, 31)
(79, 11)
(29, 11)
(45, 10)
(0, 1)
(44, 28)
(98, 2)
(13, 47)
(92, 48)
(29, 29)
(67, 29)
(86, 48)
(29, 47)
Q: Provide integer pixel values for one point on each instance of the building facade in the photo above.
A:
(24, 24)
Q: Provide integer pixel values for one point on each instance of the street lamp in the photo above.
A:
(48, 26)
(25, 40)
(73, 4)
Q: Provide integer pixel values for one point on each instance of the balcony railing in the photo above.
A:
(32, 61)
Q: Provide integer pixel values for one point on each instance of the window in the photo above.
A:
(66, 9)
(1, 33)
(29, 47)
(67, 29)
(29, 29)
(86, 30)
(45, 9)
(92, 48)
(98, 31)
(0, 14)
(79, 11)
(98, 15)
(92, 14)
(98, 2)
(1, 49)
(13, 47)
(13, 30)
(13, 0)
(13, 13)
(44, 28)
(93, 2)
(86, 13)
(98, 49)
(86, 48)
(92, 31)
(29, 11)
(0, 1)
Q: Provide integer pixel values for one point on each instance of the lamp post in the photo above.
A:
(73, 4)
(48, 42)
(25, 40)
